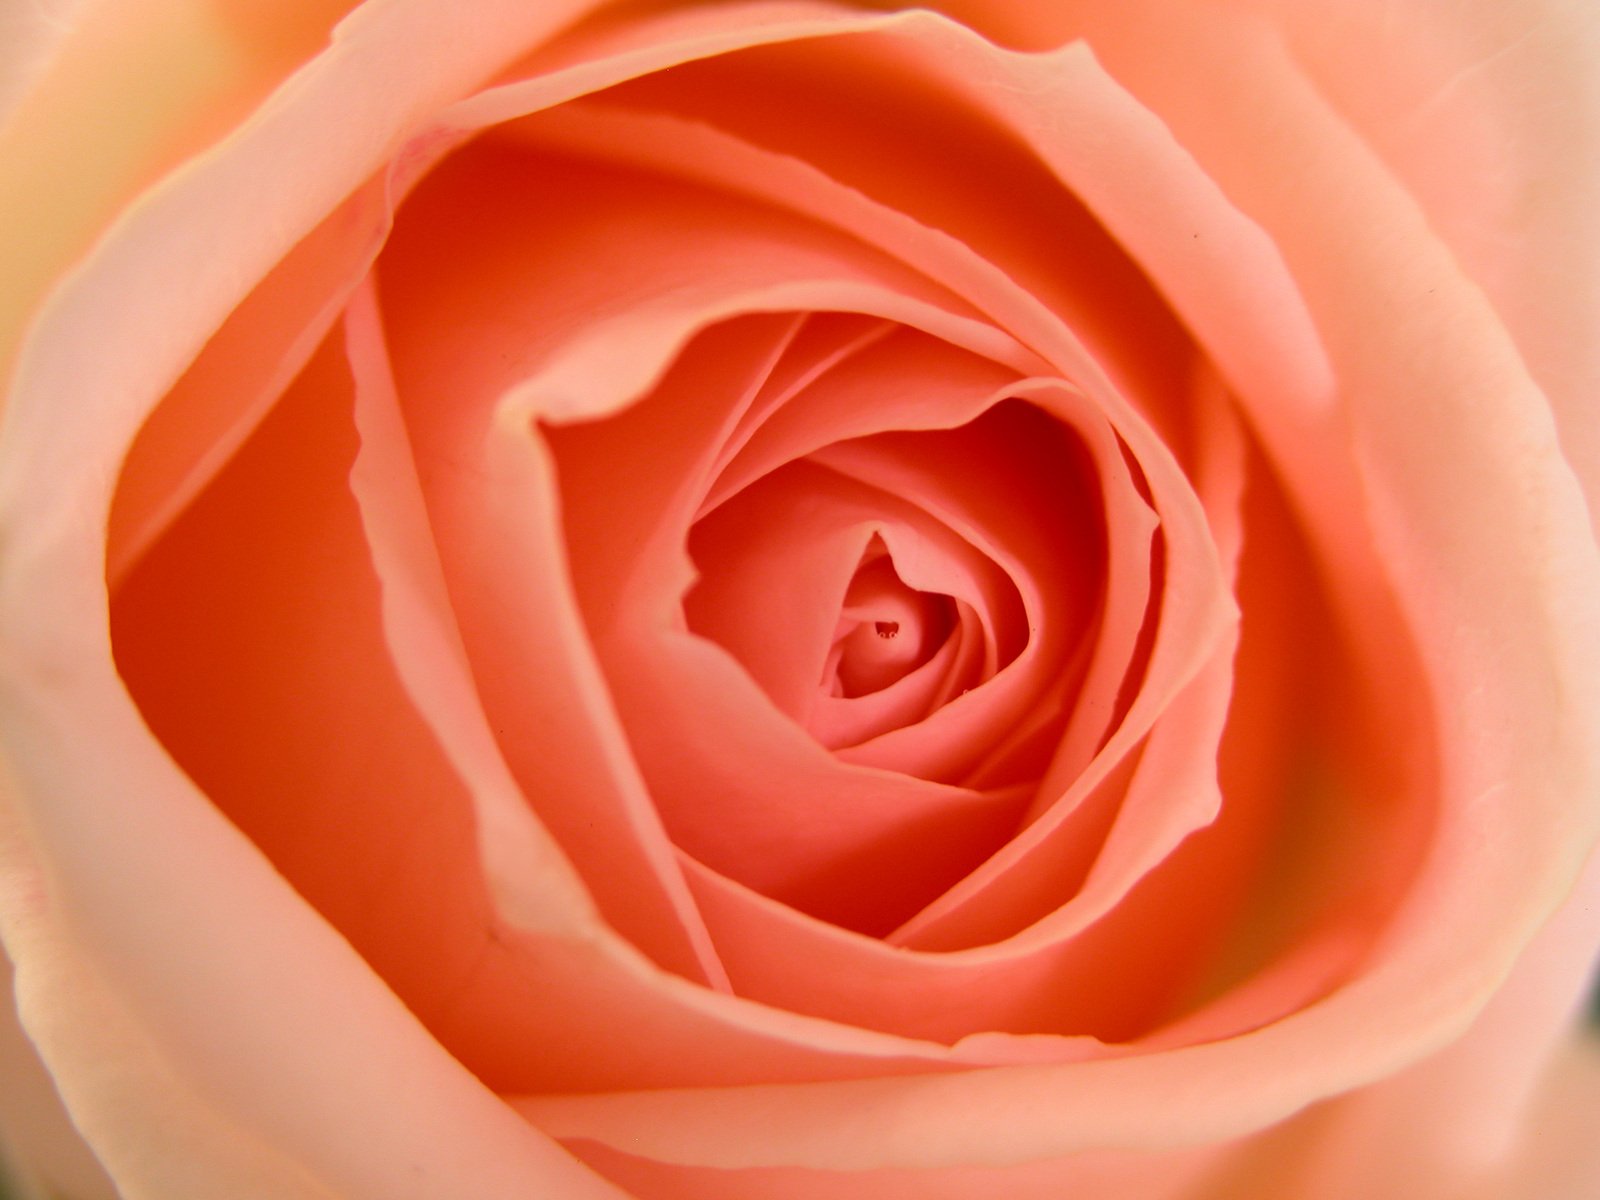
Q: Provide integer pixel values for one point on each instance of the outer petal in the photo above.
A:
(30, 37)
(1506, 1112)
(1489, 114)
(158, 1137)
(75, 151)
(41, 1153)
(1495, 1125)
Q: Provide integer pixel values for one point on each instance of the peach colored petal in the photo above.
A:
(1012, 998)
(770, 591)
(244, 367)
(1552, 1157)
(292, 136)
(1002, 987)
(41, 1153)
(328, 768)
(599, 397)
(141, 347)
(75, 152)
(824, 342)
(761, 554)
(692, 140)
(1439, 535)
(682, 1033)
(213, 1100)
(945, 995)
(1557, 1156)
(963, 661)
(608, 48)
(489, 525)
(859, 398)
(814, 832)
(1019, 888)
(501, 991)
(926, 156)
(1508, 1107)
(713, 819)
(703, 153)
(1309, 850)
(1472, 908)
(1175, 1175)
(30, 39)
(1506, 96)
(918, 682)
(979, 480)
(561, 748)
(154, 1132)
(906, 380)
(279, 742)
(519, 858)
(631, 483)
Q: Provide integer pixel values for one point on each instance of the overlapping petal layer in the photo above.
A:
(561, 492)
(733, 669)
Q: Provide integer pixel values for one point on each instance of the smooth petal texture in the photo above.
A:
(941, 995)
(1504, 1098)
(497, 520)
(198, 67)
(237, 377)
(407, 600)
(523, 866)
(43, 1153)
(30, 38)
(247, 963)
(1506, 96)
(114, 1078)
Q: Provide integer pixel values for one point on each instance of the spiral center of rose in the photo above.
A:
(885, 631)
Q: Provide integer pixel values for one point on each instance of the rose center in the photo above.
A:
(885, 631)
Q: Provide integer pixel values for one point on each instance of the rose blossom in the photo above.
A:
(784, 599)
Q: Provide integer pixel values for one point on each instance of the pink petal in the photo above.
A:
(1505, 97)
(76, 153)
(42, 1150)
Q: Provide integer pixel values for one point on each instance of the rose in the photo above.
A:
(119, 964)
(403, 725)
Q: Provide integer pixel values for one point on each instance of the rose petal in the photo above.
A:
(42, 1151)
(518, 857)
(76, 153)
(1505, 97)
(1020, 886)
(490, 526)
(768, 538)
(1040, 528)
(109, 1070)
(238, 376)
(1032, 984)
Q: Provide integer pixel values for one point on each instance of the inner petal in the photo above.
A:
(886, 629)
(840, 600)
